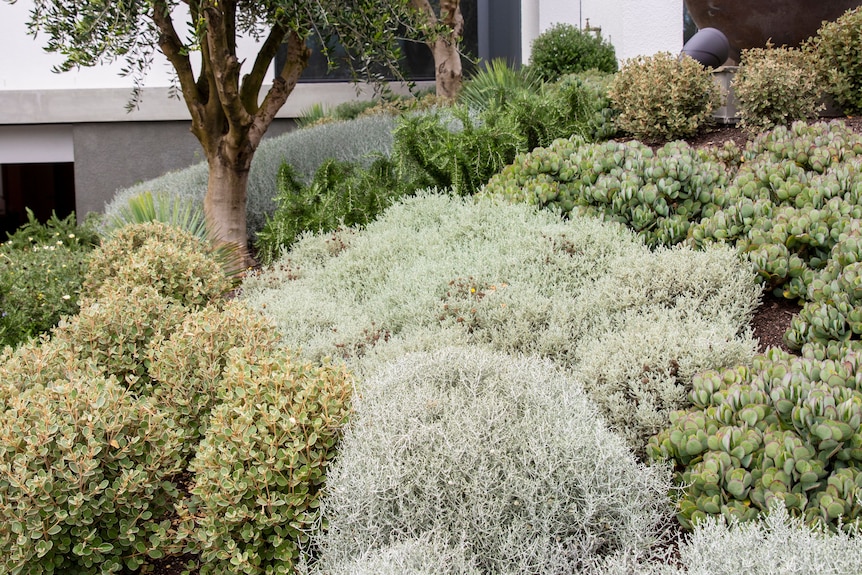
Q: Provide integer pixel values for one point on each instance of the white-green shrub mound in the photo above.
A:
(436, 270)
(504, 457)
(356, 140)
(775, 545)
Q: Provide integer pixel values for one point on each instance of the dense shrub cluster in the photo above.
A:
(100, 418)
(787, 428)
(564, 49)
(776, 86)
(662, 97)
(341, 194)
(261, 466)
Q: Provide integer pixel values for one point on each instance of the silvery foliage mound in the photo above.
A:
(436, 270)
(306, 149)
(505, 459)
(774, 545)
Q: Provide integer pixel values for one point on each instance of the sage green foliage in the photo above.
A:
(454, 148)
(186, 363)
(663, 97)
(85, 472)
(658, 194)
(837, 46)
(564, 49)
(504, 458)
(775, 86)
(360, 140)
(795, 196)
(785, 428)
(42, 267)
(341, 194)
(168, 259)
(833, 306)
(261, 467)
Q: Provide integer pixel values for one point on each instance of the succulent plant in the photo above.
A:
(784, 428)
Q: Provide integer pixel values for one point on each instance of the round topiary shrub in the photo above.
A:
(663, 97)
(506, 458)
(172, 261)
(85, 472)
(186, 364)
(564, 49)
(261, 467)
(776, 86)
(115, 331)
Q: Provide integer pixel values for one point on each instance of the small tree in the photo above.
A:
(448, 28)
(222, 93)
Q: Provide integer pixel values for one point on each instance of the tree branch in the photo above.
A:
(297, 59)
(225, 70)
(252, 82)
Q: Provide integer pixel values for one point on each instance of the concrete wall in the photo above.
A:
(109, 156)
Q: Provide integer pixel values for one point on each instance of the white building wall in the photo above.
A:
(634, 27)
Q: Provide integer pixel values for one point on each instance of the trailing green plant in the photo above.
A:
(786, 428)
(64, 232)
(85, 479)
(341, 194)
(168, 259)
(186, 364)
(455, 148)
(663, 98)
(261, 468)
(776, 86)
(658, 194)
(38, 286)
(837, 45)
(564, 49)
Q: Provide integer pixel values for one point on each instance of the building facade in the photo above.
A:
(67, 142)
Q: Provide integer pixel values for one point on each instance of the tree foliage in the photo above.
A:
(221, 88)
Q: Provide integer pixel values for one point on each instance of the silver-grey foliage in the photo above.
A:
(501, 456)
(356, 140)
(436, 270)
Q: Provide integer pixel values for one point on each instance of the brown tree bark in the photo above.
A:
(448, 72)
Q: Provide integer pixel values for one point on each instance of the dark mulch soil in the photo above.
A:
(770, 321)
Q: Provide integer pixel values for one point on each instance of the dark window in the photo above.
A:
(492, 29)
(44, 188)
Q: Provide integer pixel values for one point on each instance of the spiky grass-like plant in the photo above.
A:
(180, 213)
(496, 84)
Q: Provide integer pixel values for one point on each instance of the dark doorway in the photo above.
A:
(44, 188)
